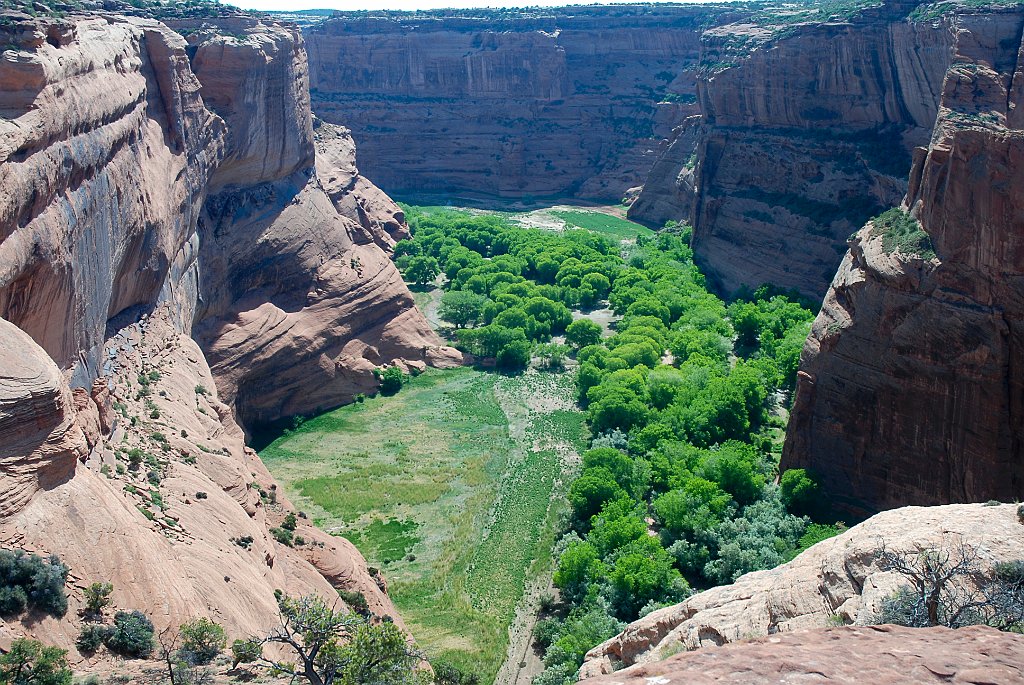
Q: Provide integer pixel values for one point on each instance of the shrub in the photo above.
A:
(450, 674)
(97, 597)
(246, 651)
(356, 601)
(92, 637)
(289, 522)
(391, 380)
(28, 581)
(201, 640)
(283, 536)
(900, 232)
(132, 634)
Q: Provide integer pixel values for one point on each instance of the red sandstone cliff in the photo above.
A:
(805, 132)
(156, 193)
(530, 103)
(910, 385)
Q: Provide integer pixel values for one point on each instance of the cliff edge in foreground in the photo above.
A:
(839, 579)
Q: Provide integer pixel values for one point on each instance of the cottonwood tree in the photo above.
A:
(948, 586)
(333, 647)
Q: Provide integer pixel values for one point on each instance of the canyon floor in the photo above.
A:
(454, 488)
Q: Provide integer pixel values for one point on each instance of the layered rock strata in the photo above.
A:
(840, 579)
(170, 259)
(806, 131)
(910, 384)
(567, 102)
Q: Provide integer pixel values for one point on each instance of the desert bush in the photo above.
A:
(132, 635)
(28, 581)
(92, 637)
(97, 597)
(201, 640)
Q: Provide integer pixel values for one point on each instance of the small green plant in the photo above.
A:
(135, 457)
(97, 597)
(202, 640)
(245, 542)
(200, 390)
(391, 380)
(283, 536)
(201, 495)
(290, 522)
(900, 232)
(356, 601)
(92, 637)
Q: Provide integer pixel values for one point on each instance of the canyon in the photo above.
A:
(184, 256)
(778, 135)
(189, 253)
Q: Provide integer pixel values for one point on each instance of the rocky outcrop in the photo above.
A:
(294, 283)
(104, 138)
(138, 512)
(170, 259)
(806, 131)
(910, 383)
(541, 102)
(881, 655)
(40, 442)
(840, 579)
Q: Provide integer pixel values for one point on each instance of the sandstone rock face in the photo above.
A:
(840, 577)
(104, 137)
(180, 559)
(881, 655)
(806, 132)
(294, 282)
(160, 206)
(910, 384)
(563, 102)
(39, 439)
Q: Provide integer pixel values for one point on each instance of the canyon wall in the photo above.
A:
(560, 102)
(179, 249)
(806, 131)
(910, 386)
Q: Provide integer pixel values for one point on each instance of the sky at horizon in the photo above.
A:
(294, 5)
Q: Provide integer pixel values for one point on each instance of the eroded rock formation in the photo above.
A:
(910, 385)
(837, 579)
(161, 205)
(880, 655)
(566, 102)
(806, 131)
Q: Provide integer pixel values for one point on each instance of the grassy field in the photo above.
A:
(607, 225)
(452, 487)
